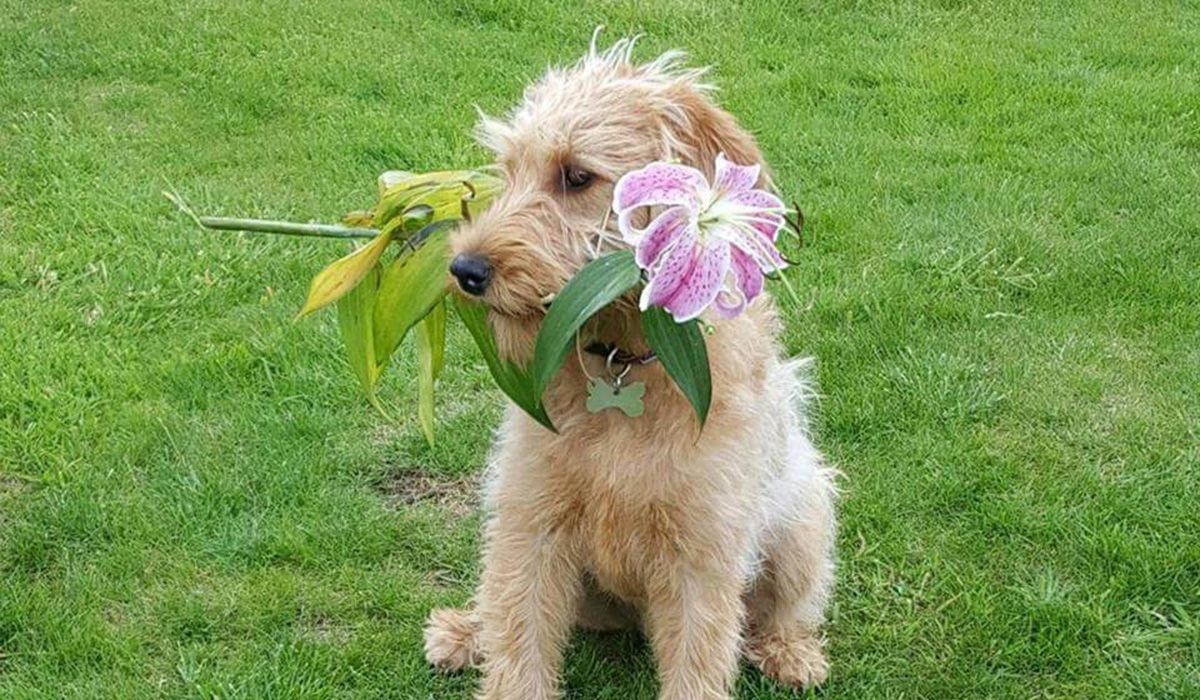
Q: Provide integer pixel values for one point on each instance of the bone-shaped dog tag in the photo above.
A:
(602, 395)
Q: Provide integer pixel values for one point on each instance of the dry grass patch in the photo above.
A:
(458, 496)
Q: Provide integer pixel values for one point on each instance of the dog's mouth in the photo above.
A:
(528, 312)
(533, 309)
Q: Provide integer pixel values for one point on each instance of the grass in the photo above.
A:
(1002, 284)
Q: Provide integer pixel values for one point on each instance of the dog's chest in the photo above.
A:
(641, 491)
(633, 513)
(626, 541)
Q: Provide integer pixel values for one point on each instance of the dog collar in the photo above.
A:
(616, 356)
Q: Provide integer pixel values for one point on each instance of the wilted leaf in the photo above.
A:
(443, 193)
(591, 289)
(341, 276)
(390, 178)
(409, 289)
(355, 320)
(417, 210)
(681, 350)
(513, 380)
(431, 348)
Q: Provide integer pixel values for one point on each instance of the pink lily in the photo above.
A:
(710, 246)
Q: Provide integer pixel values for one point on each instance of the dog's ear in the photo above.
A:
(698, 130)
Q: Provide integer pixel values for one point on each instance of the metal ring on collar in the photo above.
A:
(608, 366)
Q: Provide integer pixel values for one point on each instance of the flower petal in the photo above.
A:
(661, 232)
(748, 276)
(731, 177)
(743, 284)
(707, 246)
(658, 184)
(703, 281)
(671, 269)
(729, 303)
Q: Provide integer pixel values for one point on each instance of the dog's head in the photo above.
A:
(575, 133)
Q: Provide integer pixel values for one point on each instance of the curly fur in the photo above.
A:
(718, 543)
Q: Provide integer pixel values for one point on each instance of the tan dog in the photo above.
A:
(718, 543)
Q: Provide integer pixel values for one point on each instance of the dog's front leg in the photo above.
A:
(528, 595)
(694, 615)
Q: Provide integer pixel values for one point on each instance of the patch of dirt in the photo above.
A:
(12, 486)
(457, 496)
(327, 631)
(385, 433)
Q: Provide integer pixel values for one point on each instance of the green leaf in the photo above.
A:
(591, 289)
(681, 350)
(356, 323)
(431, 347)
(340, 277)
(513, 380)
(410, 287)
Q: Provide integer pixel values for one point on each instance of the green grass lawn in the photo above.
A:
(1002, 289)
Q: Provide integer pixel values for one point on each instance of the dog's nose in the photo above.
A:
(473, 273)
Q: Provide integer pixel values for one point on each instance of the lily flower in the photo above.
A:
(710, 245)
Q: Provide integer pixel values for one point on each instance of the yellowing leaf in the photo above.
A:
(448, 194)
(356, 323)
(431, 347)
(339, 278)
(359, 219)
(390, 178)
(409, 289)
(375, 313)
(437, 328)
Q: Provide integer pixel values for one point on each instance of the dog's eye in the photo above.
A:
(576, 178)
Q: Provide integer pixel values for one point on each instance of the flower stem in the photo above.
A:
(286, 228)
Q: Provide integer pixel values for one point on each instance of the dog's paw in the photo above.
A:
(796, 660)
(451, 640)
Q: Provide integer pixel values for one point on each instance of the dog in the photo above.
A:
(717, 543)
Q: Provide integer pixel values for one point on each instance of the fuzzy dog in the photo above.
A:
(717, 543)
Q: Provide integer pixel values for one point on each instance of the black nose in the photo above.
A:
(473, 273)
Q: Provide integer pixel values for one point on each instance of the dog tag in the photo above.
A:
(602, 395)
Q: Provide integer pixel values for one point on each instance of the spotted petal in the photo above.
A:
(657, 184)
(658, 235)
(749, 277)
(731, 177)
(699, 285)
(671, 268)
(707, 246)
(729, 302)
